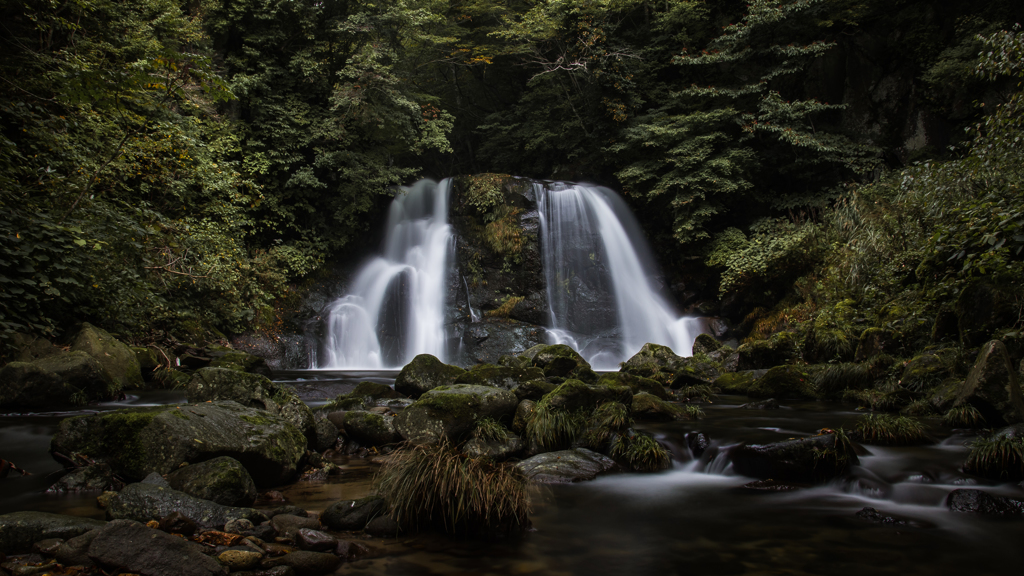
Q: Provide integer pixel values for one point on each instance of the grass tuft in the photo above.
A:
(998, 457)
(836, 378)
(963, 416)
(611, 415)
(698, 393)
(640, 452)
(554, 429)
(692, 412)
(490, 430)
(437, 486)
(890, 430)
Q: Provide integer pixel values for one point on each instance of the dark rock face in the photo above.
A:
(132, 547)
(805, 460)
(992, 386)
(485, 341)
(652, 361)
(694, 373)
(874, 516)
(75, 552)
(383, 527)
(698, 443)
(424, 373)
(558, 360)
(137, 442)
(117, 359)
(145, 502)
(222, 480)
(565, 466)
(20, 530)
(981, 502)
(705, 344)
(452, 412)
(352, 514)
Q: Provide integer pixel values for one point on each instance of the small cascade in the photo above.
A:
(395, 307)
(602, 280)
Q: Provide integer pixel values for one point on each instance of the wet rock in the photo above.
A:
(452, 412)
(654, 361)
(145, 502)
(137, 442)
(869, 514)
(383, 527)
(781, 348)
(635, 383)
(646, 407)
(288, 509)
(221, 357)
(782, 382)
(65, 379)
(315, 540)
(20, 530)
(769, 404)
(156, 480)
(350, 515)
(574, 395)
(289, 525)
(222, 480)
(117, 359)
(698, 442)
(558, 360)
(128, 546)
(705, 344)
(254, 391)
(981, 502)
(178, 523)
(533, 389)
(97, 477)
(239, 526)
(47, 547)
(371, 429)
(75, 552)
(738, 382)
(305, 563)
(487, 340)
(495, 449)
(805, 460)
(565, 466)
(694, 373)
(326, 434)
(769, 486)
(524, 410)
(365, 396)
(499, 376)
(237, 560)
(425, 373)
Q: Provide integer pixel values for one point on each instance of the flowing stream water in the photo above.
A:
(693, 519)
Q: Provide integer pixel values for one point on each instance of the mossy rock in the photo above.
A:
(782, 382)
(238, 360)
(805, 460)
(705, 344)
(647, 407)
(116, 357)
(781, 348)
(695, 373)
(519, 362)
(65, 379)
(365, 395)
(924, 371)
(453, 411)
(140, 441)
(524, 411)
(831, 380)
(558, 360)
(370, 428)
(499, 376)
(222, 480)
(169, 379)
(573, 395)
(654, 361)
(149, 361)
(144, 502)
(875, 341)
(425, 373)
(534, 389)
(635, 383)
(738, 382)
(25, 385)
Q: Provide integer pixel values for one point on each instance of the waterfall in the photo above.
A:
(602, 279)
(395, 306)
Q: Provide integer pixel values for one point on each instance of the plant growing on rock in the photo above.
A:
(692, 412)
(552, 428)
(963, 416)
(490, 430)
(438, 486)
(696, 393)
(1000, 457)
(890, 430)
(836, 378)
(640, 452)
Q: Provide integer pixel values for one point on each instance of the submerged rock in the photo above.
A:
(981, 502)
(565, 466)
(425, 373)
(144, 502)
(20, 530)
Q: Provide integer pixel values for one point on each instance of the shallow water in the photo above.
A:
(693, 519)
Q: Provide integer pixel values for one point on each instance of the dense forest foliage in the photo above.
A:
(172, 167)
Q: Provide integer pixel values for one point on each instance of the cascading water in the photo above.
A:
(395, 307)
(601, 278)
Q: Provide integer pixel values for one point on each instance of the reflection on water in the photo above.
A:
(693, 519)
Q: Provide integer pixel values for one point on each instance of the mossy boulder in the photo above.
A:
(647, 407)
(222, 480)
(497, 449)
(993, 386)
(573, 395)
(781, 348)
(695, 373)
(738, 382)
(65, 379)
(805, 460)
(117, 358)
(238, 360)
(565, 466)
(149, 361)
(654, 361)
(635, 383)
(558, 360)
(925, 371)
(524, 411)
(170, 379)
(140, 441)
(705, 344)
(255, 390)
(981, 308)
(499, 376)
(453, 411)
(143, 502)
(534, 389)
(364, 396)
(371, 428)
(425, 373)
(782, 382)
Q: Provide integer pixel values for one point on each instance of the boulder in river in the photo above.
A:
(635, 383)
(782, 382)
(805, 460)
(350, 515)
(117, 359)
(144, 502)
(371, 428)
(424, 373)
(558, 360)
(137, 442)
(781, 348)
(20, 530)
(565, 466)
(222, 480)
(499, 376)
(65, 379)
(981, 502)
(453, 411)
(654, 361)
(131, 547)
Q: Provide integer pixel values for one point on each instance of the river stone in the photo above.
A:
(497, 450)
(117, 359)
(145, 502)
(288, 525)
(452, 412)
(178, 523)
(371, 429)
(565, 466)
(28, 386)
(981, 502)
(326, 434)
(383, 527)
(694, 373)
(20, 530)
(97, 477)
(558, 360)
(237, 560)
(524, 410)
(781, 348)
(222, 480)
(534, 389)
(647, 407)
(305, 563)
(348, 515)
(75, 552)
(315, 540)
(424, 373)
(364, 396)
(128, 546)
(253, 390)
(992, 386)
(799, 461)
(635, 383)
(139, 441)
(65, 379)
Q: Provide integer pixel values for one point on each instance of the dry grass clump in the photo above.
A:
(439, 487)
(890, 430)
